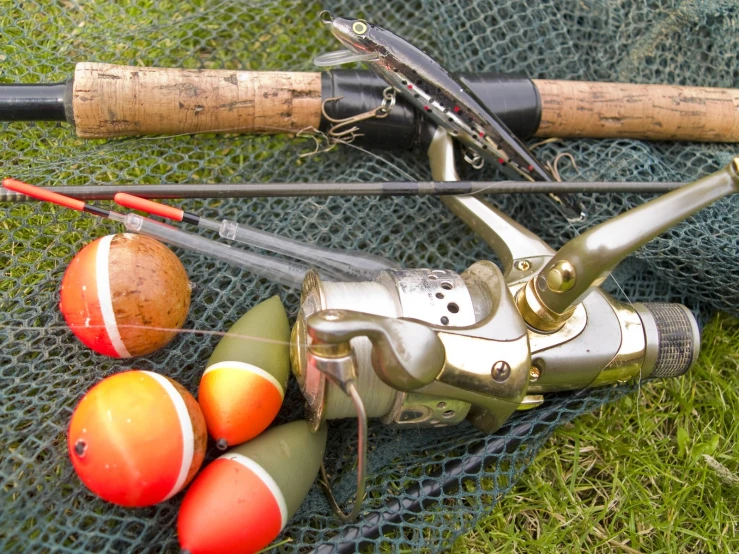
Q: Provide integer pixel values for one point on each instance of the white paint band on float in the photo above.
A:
(188, 437)
(102, 277)
(243, 366)
(265, 478)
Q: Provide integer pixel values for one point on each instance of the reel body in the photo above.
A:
(431, 347)
(483, 362)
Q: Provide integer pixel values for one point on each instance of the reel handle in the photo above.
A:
(586, 261)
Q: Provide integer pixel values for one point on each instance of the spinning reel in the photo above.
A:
(430, 347)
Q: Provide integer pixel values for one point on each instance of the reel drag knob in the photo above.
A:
(672, 339)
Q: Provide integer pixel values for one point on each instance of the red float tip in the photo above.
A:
(136, 203)
(43, 194)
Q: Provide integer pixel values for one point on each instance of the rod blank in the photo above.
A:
(393, 188)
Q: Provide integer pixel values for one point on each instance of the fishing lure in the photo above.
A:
(443, 98)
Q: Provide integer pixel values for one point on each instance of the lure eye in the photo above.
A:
(359, 27)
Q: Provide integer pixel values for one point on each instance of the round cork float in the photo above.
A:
(137, 438)
(125, 295)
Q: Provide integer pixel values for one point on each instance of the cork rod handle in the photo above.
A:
(114, 100)
(651, 112)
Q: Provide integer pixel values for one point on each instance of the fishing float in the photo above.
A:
(346, 265)
(283, 272)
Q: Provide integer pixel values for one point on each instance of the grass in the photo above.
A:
(641, 475)
(653, 472)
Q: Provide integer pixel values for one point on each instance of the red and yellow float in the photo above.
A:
(137, 438)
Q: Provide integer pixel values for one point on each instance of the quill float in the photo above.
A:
(285, 272)
(346, 265)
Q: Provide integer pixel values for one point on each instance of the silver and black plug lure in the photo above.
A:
(444, 99)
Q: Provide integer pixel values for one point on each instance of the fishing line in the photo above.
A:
(387, 162)
(193, 331)
(115, 145)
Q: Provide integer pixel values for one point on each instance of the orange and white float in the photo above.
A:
(125, 295)
(137, 438)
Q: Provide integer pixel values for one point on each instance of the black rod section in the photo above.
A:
(393, 188)
(42, 102)
(514, 99)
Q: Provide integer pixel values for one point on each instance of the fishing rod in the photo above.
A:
(388, 188)
(103, 100)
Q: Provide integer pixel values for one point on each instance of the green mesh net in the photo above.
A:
(425, 488)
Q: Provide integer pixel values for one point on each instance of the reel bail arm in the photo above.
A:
(331, 353)
(521, 252)
(338, 362)
(398, 367)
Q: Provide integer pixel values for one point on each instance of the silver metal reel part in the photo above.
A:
(429, 347)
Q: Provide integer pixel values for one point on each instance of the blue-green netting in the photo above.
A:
(44, 370)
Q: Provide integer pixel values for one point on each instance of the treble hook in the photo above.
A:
(338, 124)
(553, 166)
(337, 129)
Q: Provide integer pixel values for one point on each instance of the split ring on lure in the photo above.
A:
(443, 98)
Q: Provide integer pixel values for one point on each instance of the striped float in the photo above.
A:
(125, 295)
(241, 501)
(137, 438)
(244, 383)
